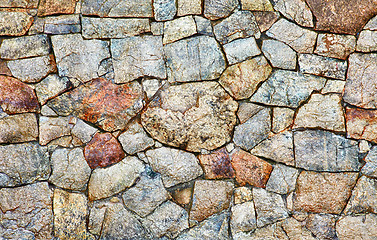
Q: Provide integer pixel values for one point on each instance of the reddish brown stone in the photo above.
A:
(108, 105)
(265, 19)
(217, 164)
(17, 97)
(103, 150)
(250, 169)
(50, 7)
(361, 124)
(342, 16)
(4, 70)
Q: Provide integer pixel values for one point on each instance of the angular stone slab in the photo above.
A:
(24, 47)
(215, 9)
(14, 22)
(296, 10)
(322, 66)
(18, 128)
(117, 8)
(335, 45)
(361, 124)
(51, 7)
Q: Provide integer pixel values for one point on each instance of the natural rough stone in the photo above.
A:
(335, 45)
(366, 41)
(23, 47)
(242, 195)
(51, 128)
(101, 102)
(113, 28)
(241, 24)
(282, 118)
(215, 9)
(135, 139)
(322, 111)
(17, 97)
(103, 150)
(265, 19)
(191, 116)
(334, 86)
(269, 207)
(51, 7)
(328, 152)
(189, 7)
(357, 227)
(199, 58)
(175, 166)
(26, 210)
(242, 79)
(246, 110)
(52, 86)
(287, 88)
(83, 131)
(62, 24)
(295, 230)
(14, 22)
(323, 192)
(18, 128)
(360, 84)
(363, 197)
(340, 16)
(210, 197)
(203, 26)
(168, 220)
(258, 5)
(4, 70)
(370, 168)
(322, 66)
(250, 169)
(19, 4)
(272, 231)
(241, 49)
(279, 54)
(217, 164)
(179, 28)
(371, 25)
(69, 169)
(105, 182)
(151, 86)
(300, 39)
(361, 124)
(243, 218)
(322, 225)
(138, 56)
(23, 164)
(117, 8)
(282, 179)
(296, 10)
(164, 9)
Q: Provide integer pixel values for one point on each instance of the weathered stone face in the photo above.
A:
(215, 9)
(18, 128)
(361, 124)
(118, 8)
(51, 7)
(15, 22)
(217, 164)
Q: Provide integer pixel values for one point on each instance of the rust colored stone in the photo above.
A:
(4, 70)
(16, 96)
(250, 169)
(342, 16)
(103, 150)
(108, 105)
(217, 164)
(50, 7)
(361, 124)
(265, 19)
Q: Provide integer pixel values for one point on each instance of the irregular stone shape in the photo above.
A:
(258, 5)
(363, 197)
(215, 9)
(371, 25)
(335, 45)
(241, 49)
(254, 130)
(146, 195)
(214, 227)
(135, 139)
(51, 128)
(287, 89)
(210, 197)
(113, 28)
(192, 116)
(246, 110)
(18, 128)
(17, 97)
(103, 150)
(63, 24)
(241, 24)
(105, 182)
(102, 103)
(279, 54)
(52, 86)
(322, 111)
(242, 195)
(69, 169)
(138, 56)
(22, 164)
(300, 39)
(151, 86)
(322, 225)
(370, 168)
(322, 66)
(296, 10)
(117, 8)
(19, 4)
(70, 212)
(334, 86)
(295, 230)
(83, 131)
(243, 218)
(273, 231)
(199, 58)
(14, 22)
(26, 209)
(51, 7)
(266, 19)
(323, 192)
(4, 70)
(217, 164)
(282, 118)
(319, 150)
(250, 169)
(23, 47)
(357, 227)
(269, 207)
(79, 58)
(203, 26)
(189, 7)
(242, 79)
(164, 9)
(175, 166)
(179, 28)
(367, 41)
(360, 84)
(168, 220)
(282, 179)
(340, 16)
(361, 124)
